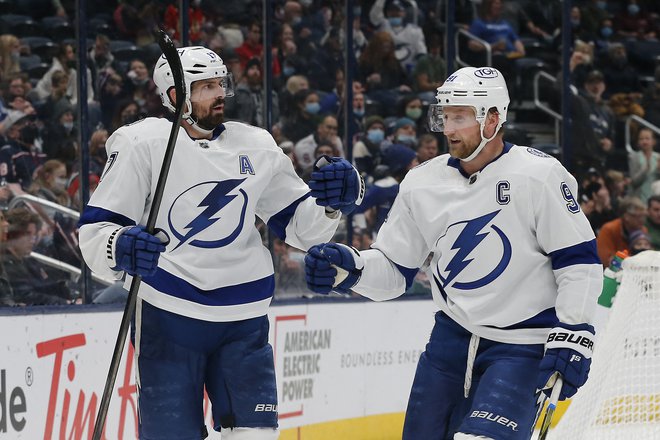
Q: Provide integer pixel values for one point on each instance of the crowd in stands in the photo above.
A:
(399, 62)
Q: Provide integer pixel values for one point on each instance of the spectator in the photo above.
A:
(504, 41)
(50, 183)
(29, 280)
(593, 14)
(633, 23)
(289, 60)
(326, 132)
(408, 37)
(302, 120)
(617, 184)
(196, 21)
(97, 154)
(251, 47)
(543, 21)
(653, 220)
(614, 235)
(247, 105)
(286, 97)
(379, 69)
(411, 107)
(142, 89)
(427, 148)
(620, 76)
(59, 83)
(366, 151)
(112, 93)
(651, 100)
(430, 70)
(644, 165)
(20, 157)
(597, 206)
(404, 132)
(639, 241)
(604, 37)
(322, 149)
(10, 53)
(61, 136)
(324, 62)
(65, 61)
(127, 112)
(593, 124)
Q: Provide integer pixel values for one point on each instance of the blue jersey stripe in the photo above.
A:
(546, 319)
(582, 253)
(279, 221)
(408, 274)
(244, 293)
(94, 214)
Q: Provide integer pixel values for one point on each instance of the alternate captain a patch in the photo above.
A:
(245, 165)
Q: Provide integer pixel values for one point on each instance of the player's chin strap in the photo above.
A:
(193, 123)
(483, 142)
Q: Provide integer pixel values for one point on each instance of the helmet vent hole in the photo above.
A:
(199, 65)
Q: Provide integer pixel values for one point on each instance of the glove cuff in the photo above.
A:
(111, 247)
(581, 341)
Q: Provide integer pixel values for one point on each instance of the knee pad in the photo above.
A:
(462, 436)
(250, 434)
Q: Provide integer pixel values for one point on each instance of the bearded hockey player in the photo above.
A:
(514, 271)
(207, 280)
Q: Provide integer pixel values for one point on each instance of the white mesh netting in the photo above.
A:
(621, 399)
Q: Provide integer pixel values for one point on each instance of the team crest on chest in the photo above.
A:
(463, 268)
(209, 214)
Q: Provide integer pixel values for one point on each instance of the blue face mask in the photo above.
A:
(633, 9)
(606, 32)
(407, 139)
(376, 136)
(395, 21)
(359, 112)
(288, 70)
(312, 107)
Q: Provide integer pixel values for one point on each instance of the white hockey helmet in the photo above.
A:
(481, 88)
(198, 63)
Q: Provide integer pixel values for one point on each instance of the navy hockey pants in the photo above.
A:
(178, 356)
(502, 399)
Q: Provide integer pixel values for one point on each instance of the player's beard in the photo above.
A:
(211, 120)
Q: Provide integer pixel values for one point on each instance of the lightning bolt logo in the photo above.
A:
(214, 201)
(469, 238)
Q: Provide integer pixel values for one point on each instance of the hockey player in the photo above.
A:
(201, 313)
(514, 271)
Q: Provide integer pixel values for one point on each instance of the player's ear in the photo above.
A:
(172, 94)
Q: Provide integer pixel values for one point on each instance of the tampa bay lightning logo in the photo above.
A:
(493, 255)
(198, 222)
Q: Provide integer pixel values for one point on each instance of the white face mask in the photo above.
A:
(60, 182)
(68, 126)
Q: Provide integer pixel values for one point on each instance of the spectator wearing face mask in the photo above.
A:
(303, 117)
(634, 23)
(61, 135)
(50, 183)
(411, 107)
(404, 131)
(366, 151)
(592, 15)
(19, 157)
(142, 89)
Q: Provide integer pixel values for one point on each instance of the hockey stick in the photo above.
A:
(550, 410)
(170, 53)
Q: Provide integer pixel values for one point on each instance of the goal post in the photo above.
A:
(621, 399)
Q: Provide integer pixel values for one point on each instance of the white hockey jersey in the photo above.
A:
(511, 251)
(215, 267)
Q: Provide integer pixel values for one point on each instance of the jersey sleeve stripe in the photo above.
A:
(408, 274)
(280, 221)
(582, 253)
(223, 296)
(93, 214)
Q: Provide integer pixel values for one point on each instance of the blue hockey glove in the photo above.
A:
(332, 266)
(568, 351)
(136, 252)
(335, 184)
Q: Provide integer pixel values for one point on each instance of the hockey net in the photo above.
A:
(621, 399)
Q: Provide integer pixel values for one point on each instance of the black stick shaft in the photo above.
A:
(172, 56)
